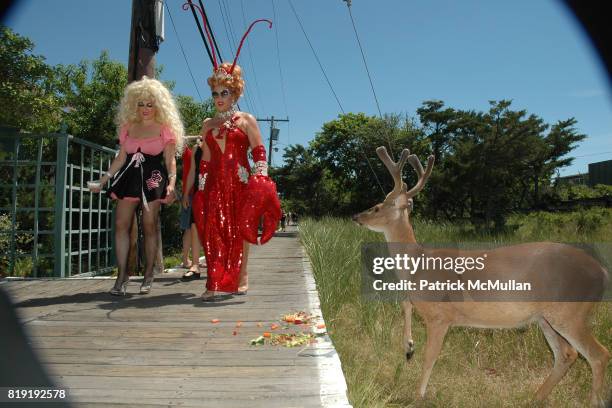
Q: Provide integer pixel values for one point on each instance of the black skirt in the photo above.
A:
(142, 177)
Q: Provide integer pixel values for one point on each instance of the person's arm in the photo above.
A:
(251, 128)
(258, 151)
(112, 170)
(189, 182)
(170, 159)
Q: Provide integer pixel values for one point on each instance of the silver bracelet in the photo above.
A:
(109, 174)
(171, 175)
(261, 168)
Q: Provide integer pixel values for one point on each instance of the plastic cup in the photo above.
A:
(93, 185)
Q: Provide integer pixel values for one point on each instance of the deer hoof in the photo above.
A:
(409, 349)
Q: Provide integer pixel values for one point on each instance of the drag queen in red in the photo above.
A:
(229, 202)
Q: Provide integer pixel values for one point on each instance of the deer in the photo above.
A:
(554, 269)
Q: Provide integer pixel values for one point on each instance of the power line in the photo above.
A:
(257, 93)
(212, 34)
(591, 154)
(183, 51)
(280, 70)
(348, 6)
(195, 17)
(332, 89)
(317, 58)
(365, 64)
(232, 43)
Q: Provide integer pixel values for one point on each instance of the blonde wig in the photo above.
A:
(166, 112)
(233, 82)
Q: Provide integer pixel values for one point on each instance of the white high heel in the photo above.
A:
(121, 290)
(146, 285)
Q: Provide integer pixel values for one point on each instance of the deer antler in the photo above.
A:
(395, 169)
(423, 175)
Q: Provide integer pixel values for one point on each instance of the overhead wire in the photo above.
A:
(230, 24)
(332, 90)
(233, 46)
(211, 32)
(365, 64)
(316, 57)
(257, 93)
(348, 6)
(280, 72)
(195, 17)
(183, 51)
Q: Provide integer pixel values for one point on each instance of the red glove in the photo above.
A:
(261, 199)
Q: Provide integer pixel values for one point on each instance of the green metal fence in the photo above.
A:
(50, 224)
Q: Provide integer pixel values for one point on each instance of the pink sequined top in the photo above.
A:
(150, 145)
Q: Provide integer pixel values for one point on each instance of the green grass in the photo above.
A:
(477, 367)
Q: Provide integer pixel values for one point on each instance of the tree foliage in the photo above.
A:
(488, 164)
(90, 92)
(193, 113)
(27, 86)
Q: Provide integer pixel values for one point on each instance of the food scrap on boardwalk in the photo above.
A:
(292, 339)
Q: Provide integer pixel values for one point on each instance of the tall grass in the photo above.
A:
(477, 367)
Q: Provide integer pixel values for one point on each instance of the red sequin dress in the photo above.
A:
(220, 203)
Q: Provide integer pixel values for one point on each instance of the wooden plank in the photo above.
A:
(171, 371)
(185, 383)
(162, 349)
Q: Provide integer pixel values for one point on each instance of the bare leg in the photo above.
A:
(159, 254)
(149, 224)
(408, 342)
(564, 354)
(132, 260)
(435, 336)
(243, 279)
(123, 221)
(195, 246)
(187, 242)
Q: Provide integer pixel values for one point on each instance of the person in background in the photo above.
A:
(191, 163)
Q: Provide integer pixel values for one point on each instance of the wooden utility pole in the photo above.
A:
(143, 40)
(145, 32)
(273, 134)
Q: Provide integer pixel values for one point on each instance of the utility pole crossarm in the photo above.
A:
(273, 134)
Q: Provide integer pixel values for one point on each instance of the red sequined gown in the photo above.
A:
(220, 202)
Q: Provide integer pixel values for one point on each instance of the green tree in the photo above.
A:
(91, 92)
(193, 113)
(27, 86)
(299, 181)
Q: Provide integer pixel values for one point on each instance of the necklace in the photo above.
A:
(228, 123)
(227, 115)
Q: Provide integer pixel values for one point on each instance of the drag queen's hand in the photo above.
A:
(96, 186)
(185, 201)
(170, 197)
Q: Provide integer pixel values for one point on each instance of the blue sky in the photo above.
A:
(464, 53)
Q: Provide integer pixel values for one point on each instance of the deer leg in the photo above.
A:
(408, 342)
(564, 354)
(436, 331)
(579, 335)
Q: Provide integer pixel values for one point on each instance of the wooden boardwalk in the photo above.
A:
(162, 349)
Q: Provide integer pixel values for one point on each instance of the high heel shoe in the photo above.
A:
(121, 290)
(145, 288)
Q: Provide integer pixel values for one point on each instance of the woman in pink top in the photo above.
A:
(150, 134)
